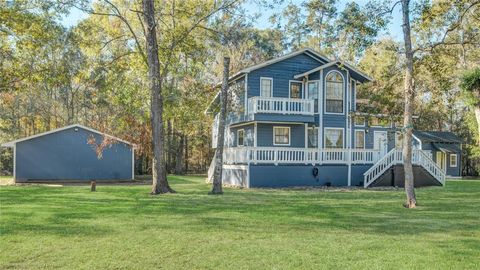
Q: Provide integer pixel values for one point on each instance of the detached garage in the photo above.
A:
(73, 152)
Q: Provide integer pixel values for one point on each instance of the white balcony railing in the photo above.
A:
(280, 105)
(288, 155)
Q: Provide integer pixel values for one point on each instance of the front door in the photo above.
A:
(380, 142)
(441, 160)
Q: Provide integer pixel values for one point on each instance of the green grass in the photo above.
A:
(123, 227)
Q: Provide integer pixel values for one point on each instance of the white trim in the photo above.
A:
(255, 128)
(289, 136)
(355, 138)
(320, 111)
(339, 64)
(418, 140)
(450, 160)
(245, 86)
(334, 128)
(306, 135)
(307, 94)
(243, 131)
(133, 163)
(10, 144)
(290, 88)
(15, 162)
(343, 94)
(271, 86)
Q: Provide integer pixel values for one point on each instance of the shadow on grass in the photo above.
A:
(75, 210)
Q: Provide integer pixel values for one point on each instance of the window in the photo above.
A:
(266, 86)
(399, 140)
(312, 137)
(379, 122)
(334, 138)
(295, 89)
(281, 136)
(453, 160)
(334, 93)
(360, 139)
(359, 121)
(313, 94)
(240, 137)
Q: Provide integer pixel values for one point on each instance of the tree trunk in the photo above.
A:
(179, 162)
(477, 116)
(217, 175)
(159, 183)
(407, 117)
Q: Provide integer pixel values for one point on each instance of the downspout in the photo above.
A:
(349, 135)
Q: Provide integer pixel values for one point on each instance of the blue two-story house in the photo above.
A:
(293, 121)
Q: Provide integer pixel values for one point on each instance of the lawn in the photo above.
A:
(123, 227)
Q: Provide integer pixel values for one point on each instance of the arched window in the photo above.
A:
(334, 93)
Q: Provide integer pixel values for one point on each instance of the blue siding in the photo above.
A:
(67, 155)
(248, 136)
(265, 135)
(297, 175)
(281, 73)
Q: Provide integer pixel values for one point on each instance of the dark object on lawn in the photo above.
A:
(93, 186)
(328, 184)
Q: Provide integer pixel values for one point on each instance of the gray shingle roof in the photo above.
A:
(437, 136)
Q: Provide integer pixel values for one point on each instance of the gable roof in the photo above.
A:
(12, 143)
(437, 137)
(357, 73)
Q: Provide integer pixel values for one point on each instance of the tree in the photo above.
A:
(407, 117)
(160, 183)
(217, 175)
(471, 88)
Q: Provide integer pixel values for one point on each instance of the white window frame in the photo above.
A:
(355, 138)
(302, 90)
(312, 128)
(389, 124)
(325, 95)
(289, 136)
(456, 160)
(364, 122)
(271, 86)
(238, 137)
(325, 137)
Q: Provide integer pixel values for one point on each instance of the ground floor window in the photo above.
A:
(281, 136)
(360, 139)
(240, 137)
(453, 160)
(333, 137)
(312, 137)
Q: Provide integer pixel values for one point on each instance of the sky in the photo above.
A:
(394, 29)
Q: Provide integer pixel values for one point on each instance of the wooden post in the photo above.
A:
(93, 185)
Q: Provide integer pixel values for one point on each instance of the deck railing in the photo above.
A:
(395, 156)
(280, 105)
(289, 155)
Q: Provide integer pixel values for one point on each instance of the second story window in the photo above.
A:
(334, 93)
(295, 90)
(266, 87)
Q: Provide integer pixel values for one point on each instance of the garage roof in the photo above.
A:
(12, 143)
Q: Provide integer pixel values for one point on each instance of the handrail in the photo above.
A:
(280, 105)
(419, 157)
(291, 155)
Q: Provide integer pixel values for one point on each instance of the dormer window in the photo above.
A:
(334, 93)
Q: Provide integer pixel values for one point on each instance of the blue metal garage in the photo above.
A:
(72, 153)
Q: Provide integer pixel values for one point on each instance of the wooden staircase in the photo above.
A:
(394, 158)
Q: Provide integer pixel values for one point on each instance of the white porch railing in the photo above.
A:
(395, 156)
(289, 155)
(280, 105)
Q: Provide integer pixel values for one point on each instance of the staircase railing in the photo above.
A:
(380, 167)
(419, 157)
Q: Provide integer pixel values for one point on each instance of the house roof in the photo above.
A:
(437, 137)
(12, 143)
(356, 74)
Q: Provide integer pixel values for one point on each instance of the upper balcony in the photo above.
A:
(280, 109)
